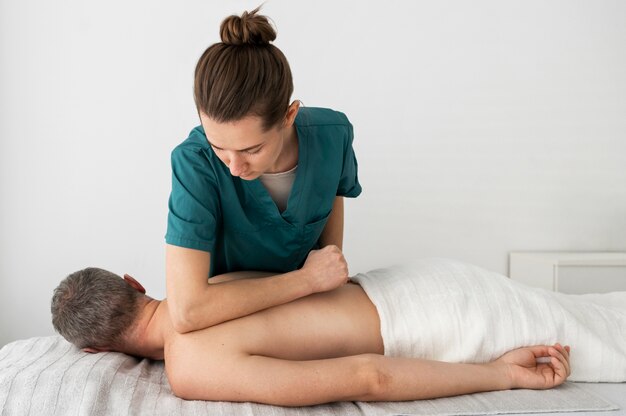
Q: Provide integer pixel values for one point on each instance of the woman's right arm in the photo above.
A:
(195, 304)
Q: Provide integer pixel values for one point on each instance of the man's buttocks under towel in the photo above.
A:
(447, 310)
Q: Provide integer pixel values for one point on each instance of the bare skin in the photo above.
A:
(321, 348)
(195, 304)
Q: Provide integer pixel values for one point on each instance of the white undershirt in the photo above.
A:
(279, 186)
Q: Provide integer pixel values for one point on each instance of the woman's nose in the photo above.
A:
(236, 165)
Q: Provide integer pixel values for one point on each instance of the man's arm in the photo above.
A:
(367, 377)
(333, 231)
(195, 304)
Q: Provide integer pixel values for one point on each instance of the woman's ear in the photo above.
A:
(292, 112)
(131, 281)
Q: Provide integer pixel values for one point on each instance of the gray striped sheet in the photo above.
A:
(48, 376)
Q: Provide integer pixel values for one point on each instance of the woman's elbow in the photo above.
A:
(182, 318)
(195, 312)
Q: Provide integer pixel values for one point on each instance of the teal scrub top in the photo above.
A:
(238, 222)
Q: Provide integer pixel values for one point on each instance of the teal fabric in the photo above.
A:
(238, 222)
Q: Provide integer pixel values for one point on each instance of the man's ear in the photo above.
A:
(131, 281)
(94, 350)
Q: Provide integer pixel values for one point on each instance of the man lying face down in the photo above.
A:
(322, 348)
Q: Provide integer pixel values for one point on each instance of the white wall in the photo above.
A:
(480, 128)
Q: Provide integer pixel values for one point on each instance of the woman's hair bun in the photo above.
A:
(247, 29)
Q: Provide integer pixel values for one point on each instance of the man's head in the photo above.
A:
(94, 308)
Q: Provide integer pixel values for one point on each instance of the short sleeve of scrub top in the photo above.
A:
(194, 209)
(238, 222)
(349, 184)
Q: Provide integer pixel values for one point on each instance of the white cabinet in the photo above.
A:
(570, 272)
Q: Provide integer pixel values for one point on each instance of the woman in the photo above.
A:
(258, 186)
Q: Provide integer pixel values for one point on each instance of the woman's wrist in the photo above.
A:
(304, 280)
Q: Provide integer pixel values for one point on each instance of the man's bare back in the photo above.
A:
(324, 325)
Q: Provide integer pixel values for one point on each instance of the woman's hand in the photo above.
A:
(538, 367)
(325, 269)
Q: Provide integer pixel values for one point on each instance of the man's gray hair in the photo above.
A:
(94, 308)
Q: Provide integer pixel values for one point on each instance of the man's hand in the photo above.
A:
(538, 367)
(325, 269)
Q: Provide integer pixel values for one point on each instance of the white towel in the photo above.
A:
(447, 310)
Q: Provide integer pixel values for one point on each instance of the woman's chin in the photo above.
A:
(249, 176)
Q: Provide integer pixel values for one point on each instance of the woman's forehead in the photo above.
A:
(235, 135)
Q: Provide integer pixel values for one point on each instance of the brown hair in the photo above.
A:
(244, 74)
(94, 308)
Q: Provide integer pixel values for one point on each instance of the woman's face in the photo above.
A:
(245, 148)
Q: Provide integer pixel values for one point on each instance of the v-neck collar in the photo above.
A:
(262, 196)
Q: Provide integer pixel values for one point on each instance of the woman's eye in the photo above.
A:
(248, 152)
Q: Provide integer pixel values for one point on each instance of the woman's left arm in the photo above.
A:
(333, 231)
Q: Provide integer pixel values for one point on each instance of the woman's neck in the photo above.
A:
(288, 157)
